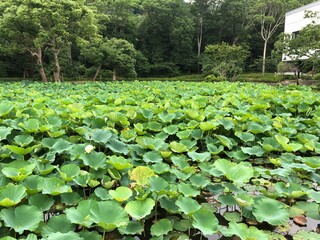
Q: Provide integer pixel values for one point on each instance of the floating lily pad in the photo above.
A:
(205, 221)
(140, 209)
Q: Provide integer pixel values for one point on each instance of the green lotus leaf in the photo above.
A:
(169, 204)
(61, 145)
(244, 199)
(188, 190)
(232, 216)
(256, 128)
(238, 155)
(158, 184)
(151, 143)
(245, 136)
(270, 211)
(238, 173)
(90, 235)
(311, 209)
(154, 126)
(70, 198)
(133, 228)
(4, 132)
(208, 126)
(69, 171)
(95, 160)
(121, 194)
(283, 141)
(31, 183)
(225, 141)
(118, 146)
(291, 190)
(199, 157)
(227, 123)
(119, 162)
(227, 199)
(64, 236)
(140, 209)
(100, 136)
(205, 221)
(59, 223)
(312, 162)
(213, 149)
(11, 195)
(18, 170)
(187, 205)
(185, 134)
(160, 168)
(20, 150)
(54, 186)
(5, 108)
(152, 157)
(102, 193)
(31, 236)
(23, 140)
(255, 150)
(22, 218)
(166, 118)
(171, 130)
(117, 217)
(162, 227)
(178, 147)
(244, 232)
(199, 180)
(31, 125)
(42, 202)
(314, 195)
(81, 214)
(141, 174)
(305, 235)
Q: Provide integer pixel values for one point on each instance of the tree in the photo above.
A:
(36, 25)
(270, 15)
(223, 60)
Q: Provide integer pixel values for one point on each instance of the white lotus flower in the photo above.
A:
(89, 148)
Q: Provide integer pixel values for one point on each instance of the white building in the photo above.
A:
(296, 20)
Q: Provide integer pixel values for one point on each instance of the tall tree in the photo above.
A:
(54, 24)
(270, 15)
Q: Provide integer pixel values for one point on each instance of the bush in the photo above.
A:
(213, 78)
(316, 76)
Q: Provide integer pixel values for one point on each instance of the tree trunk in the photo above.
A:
(38, 55)
(114, 76)
(97, 73)
(199, 40)
(264, 56)
(56, 71)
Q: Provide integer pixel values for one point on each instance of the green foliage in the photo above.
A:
(224, 61)
(159, 159)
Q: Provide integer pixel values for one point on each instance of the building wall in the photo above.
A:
(295, 20)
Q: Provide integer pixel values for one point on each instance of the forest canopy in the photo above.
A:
(59, 39)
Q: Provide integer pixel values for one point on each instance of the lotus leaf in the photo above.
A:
(42, 202)
(118, 146)
(22, 218)
(94, 159)
(121, 194)
(69, 171)
(158, 184)
(205, 221)
(152, 157)
(187, 205)
(81, 214)
(305, 235)
(141, 174)
(162, 227)
(23, 140)
(133, 228)
(270, 211)
(101, 136)
(56, 224)
(11, 195)
(117, 217)
(188, 190)
(178, 147)
(54, 186)
(119, 163)
(199, 157)
(244, 232)
(64, 236)
(5, 108)
(255, 150)
(140, 209)
(18, 170)
(4, 132)
(169, 204)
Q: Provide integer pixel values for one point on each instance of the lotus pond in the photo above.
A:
(155, 160)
